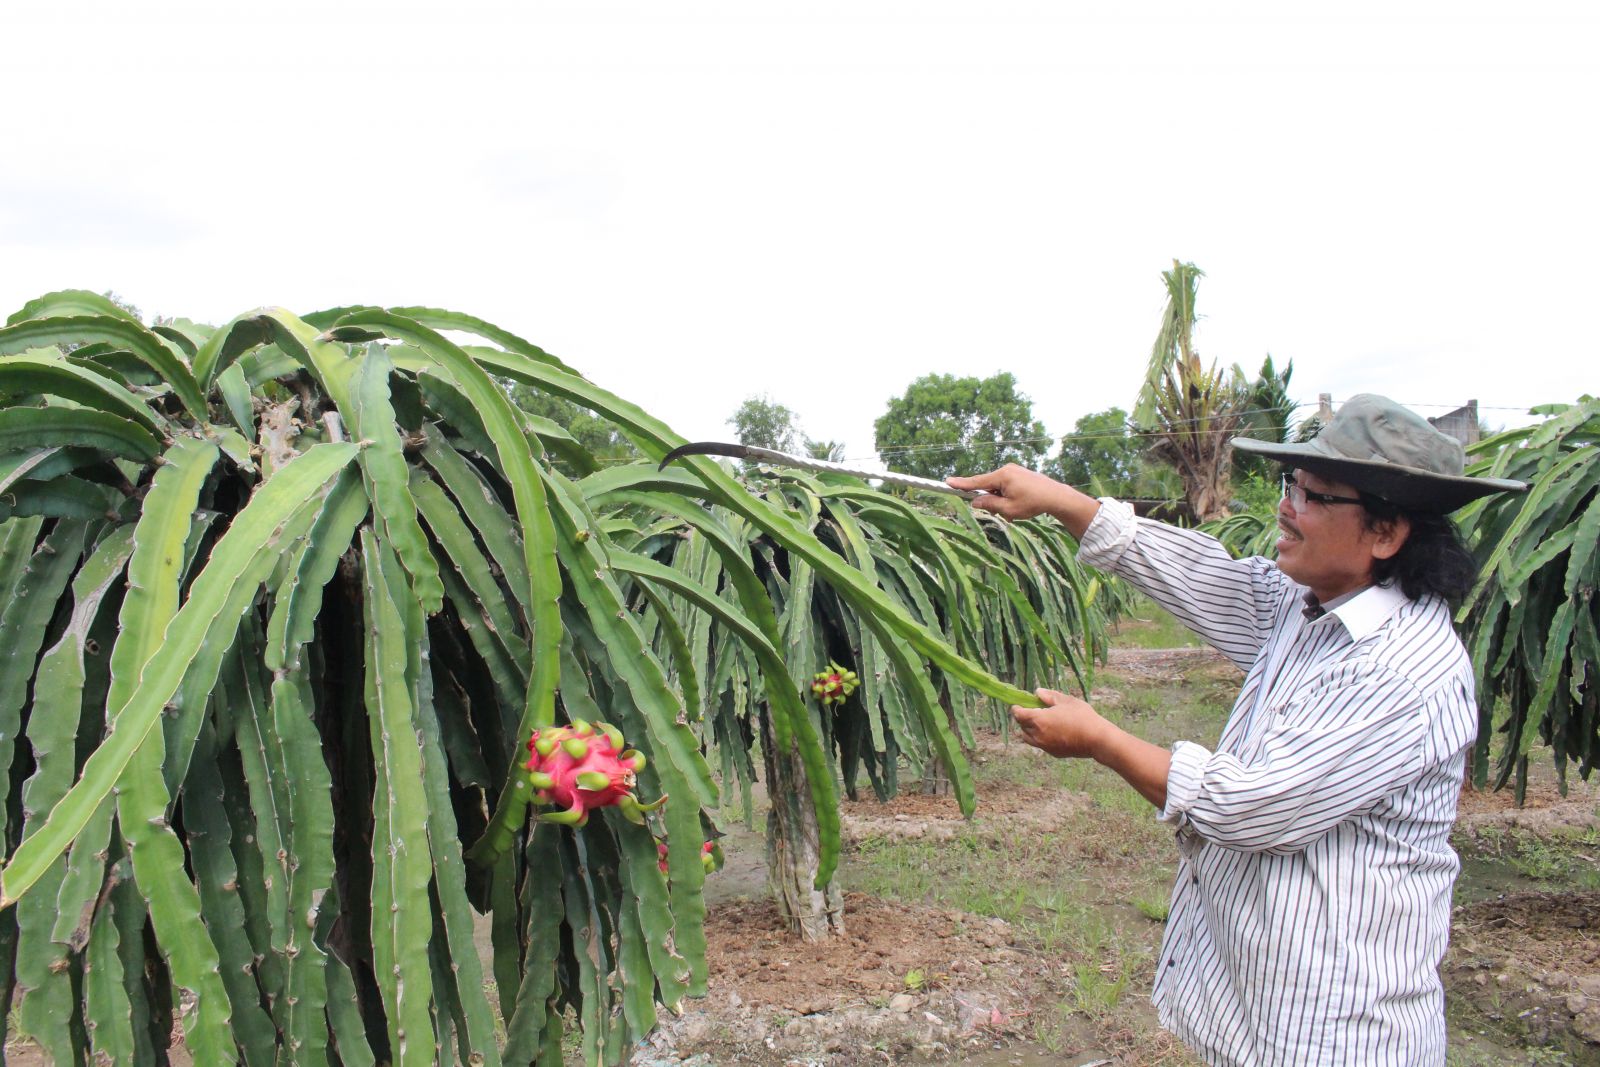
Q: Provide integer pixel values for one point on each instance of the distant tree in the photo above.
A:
(123, 304)
(946, 425)
(1099, 454)
(832, 451)
(1188, 411)
(1266, 418)
(764, 424)
(598, 435)
(133, 312)
(1257, 493)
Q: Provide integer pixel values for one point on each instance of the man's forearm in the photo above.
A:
(1141, 764)
(1075, 510)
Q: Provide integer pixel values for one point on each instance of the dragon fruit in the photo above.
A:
(833, 685)
(582, 767)
(710, 856)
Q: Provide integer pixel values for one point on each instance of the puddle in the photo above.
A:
(1486, 877)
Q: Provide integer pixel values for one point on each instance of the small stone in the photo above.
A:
(902, 1003)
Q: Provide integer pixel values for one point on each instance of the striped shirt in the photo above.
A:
(1312, 904)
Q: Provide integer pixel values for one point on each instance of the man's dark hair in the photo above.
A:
(1434, 559)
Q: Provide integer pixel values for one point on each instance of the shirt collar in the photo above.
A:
(1364, 610)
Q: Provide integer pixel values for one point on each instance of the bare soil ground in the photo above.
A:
(950, 956)
(1524, 957)
(911, 816)
(905, 982)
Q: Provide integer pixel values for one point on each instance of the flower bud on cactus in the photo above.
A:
(582, 767)
(835, 684)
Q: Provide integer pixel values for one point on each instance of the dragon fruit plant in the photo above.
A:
(833, 685)
(582, 767)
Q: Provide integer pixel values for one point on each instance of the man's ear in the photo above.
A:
(1389, 537)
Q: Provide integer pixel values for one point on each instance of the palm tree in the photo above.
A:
(1267, 416)
(1191, 411)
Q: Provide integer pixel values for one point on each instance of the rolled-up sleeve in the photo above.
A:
(1230, 603)
(1334, 755)
(1184, 777)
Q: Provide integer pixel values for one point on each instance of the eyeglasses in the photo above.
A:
(1297, 495)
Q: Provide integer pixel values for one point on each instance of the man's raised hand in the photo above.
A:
(1013, 492)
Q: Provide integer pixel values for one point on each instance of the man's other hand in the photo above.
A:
(1065, 727)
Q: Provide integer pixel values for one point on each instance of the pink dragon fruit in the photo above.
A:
(582, 767)
(833, 685)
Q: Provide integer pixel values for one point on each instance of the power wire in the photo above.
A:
(1130, 435)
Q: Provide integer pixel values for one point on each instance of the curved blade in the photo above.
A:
(784, 459)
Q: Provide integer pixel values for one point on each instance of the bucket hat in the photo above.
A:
(1381, 448)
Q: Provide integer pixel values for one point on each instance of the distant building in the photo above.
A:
(1462, 423)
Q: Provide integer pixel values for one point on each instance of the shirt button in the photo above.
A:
(1172, 963)
(1195, 879)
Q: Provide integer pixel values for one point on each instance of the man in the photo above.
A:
(1312, 904)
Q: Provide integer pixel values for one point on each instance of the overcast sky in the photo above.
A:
(693, 203)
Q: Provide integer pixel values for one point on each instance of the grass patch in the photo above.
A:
(1094, 992)
(1046, 885)
(1151, 626)
(1154, 908)
(1091, 893)
(1193, 706)
(1027, 768)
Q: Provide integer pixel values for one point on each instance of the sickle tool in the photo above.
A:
(784, 459)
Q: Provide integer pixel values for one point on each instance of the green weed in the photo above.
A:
(1154, 908)
(1539, 859)
(1094, 993)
